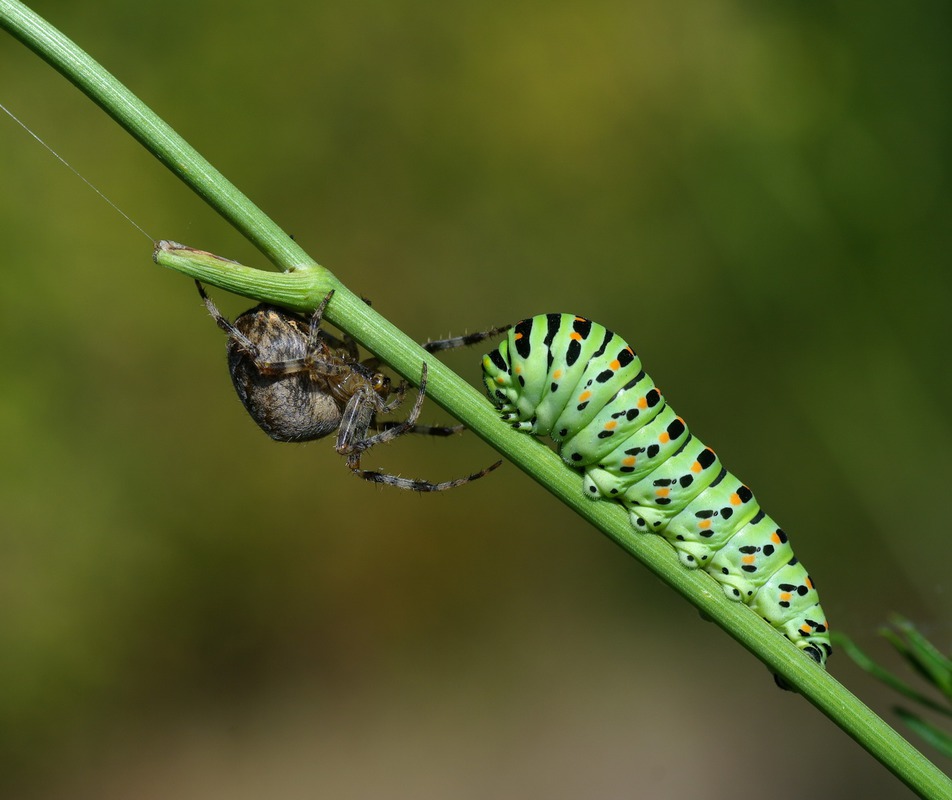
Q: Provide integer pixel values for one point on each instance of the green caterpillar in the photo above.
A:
(569, 378)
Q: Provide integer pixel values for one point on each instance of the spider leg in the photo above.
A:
(433, 347)
(437, 345)
(310, 363)
(318, 357)
(291, 366)
(426, 430)
(352, 441)
(313, 336)
(225, 325)
(318, 360)
(398, 393)
(353, 463)
(463, 341)
(356, 421)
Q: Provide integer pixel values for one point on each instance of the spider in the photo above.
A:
(300, 383)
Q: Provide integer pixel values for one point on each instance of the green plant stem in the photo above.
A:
(304, 288)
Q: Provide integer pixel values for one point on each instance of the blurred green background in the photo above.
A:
(756, 195)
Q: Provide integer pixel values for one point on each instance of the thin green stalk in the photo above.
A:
(308, 283)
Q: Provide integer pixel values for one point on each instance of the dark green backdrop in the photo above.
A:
(756, 195)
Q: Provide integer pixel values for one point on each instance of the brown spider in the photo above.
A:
(299, 383)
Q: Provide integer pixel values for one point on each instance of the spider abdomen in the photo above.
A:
(290, 405)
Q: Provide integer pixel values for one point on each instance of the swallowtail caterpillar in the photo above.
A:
(571, 379)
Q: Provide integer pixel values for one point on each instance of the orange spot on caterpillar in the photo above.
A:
(614, 365)
(748, 559)
(735, 499)
(704, 524)
(642, 403)
(774, 538)
(696, 467)
(785, 597)
(664, 438)
(517, 336)
(804, 628)
(809, 583)
(500, 379)
(663, 492)
(611, 425)
(557, 375)
(575, 336)
(628, 462)
(584, 396)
